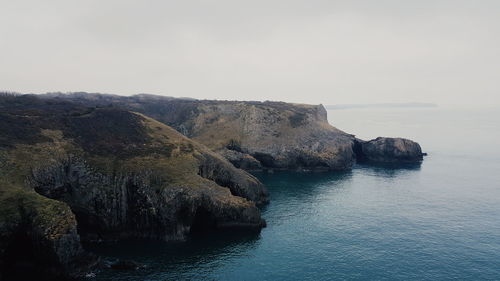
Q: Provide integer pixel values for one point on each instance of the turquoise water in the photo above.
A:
(436, 221)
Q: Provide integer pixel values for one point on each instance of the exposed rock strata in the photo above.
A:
(140, 204)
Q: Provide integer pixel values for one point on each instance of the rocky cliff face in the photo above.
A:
(91, 166)
(38, 238)
(252, 135)
(109, 173)
(140, 204)
(260, 135)
(277, 135)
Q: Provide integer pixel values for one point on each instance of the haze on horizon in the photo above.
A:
(330, 52)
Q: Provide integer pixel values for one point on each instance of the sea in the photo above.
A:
(438, 220)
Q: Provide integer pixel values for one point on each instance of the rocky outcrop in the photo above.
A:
(389, 150)
(240, 183)
(107, 173)
(241, 160)
(38, 238)
(126, 175)
(261, 135)
(277, 135)
(93, 166)
(141, 204)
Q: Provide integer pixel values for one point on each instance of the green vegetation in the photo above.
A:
(108, 132)
(20, 207)
(137, 174)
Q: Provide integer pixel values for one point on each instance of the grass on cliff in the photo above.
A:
(111, 140)
(20, 206)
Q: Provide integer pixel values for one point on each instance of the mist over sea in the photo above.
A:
(434, 221)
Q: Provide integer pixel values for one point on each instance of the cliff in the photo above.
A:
(258, 135)
(38, 237)
(269, 135)
(92, 166)
(70, 171)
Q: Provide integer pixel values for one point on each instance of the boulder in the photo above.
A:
(384, 149)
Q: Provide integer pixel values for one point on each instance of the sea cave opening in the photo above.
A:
(203, 221)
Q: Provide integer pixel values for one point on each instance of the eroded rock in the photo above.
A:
(241, 160)
(389, 150)
(117, 173)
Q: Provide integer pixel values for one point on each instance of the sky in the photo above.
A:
(331, 52)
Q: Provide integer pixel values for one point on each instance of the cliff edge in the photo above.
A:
(71, 172)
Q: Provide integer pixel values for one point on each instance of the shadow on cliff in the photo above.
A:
(199, 250)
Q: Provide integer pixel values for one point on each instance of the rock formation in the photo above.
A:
(252, 135)
(389, 150)
(97, 166)
(38, 237)
(259, 135)
(109, 173)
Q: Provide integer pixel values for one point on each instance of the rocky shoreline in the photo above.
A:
(97, 167)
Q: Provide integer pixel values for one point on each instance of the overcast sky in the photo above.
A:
(330, 52)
